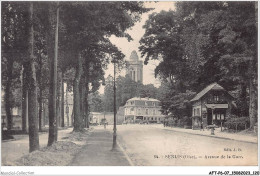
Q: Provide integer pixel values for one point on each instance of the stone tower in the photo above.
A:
(134, 67)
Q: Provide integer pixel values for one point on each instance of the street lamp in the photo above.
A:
(114, 129)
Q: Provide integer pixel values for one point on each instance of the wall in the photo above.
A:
(197, 107)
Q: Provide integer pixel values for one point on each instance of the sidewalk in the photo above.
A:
(218, 134)
(15, 149)
(97, 151)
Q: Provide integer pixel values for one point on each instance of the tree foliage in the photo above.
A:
(204, 42)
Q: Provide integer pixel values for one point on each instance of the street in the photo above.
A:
(150, 146)
(145, 145)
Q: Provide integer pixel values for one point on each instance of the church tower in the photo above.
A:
(134, 67)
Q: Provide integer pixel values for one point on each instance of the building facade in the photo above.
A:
(134, 68)
(211, 106)
(143, 110)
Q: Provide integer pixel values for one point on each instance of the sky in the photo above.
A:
(136, 33)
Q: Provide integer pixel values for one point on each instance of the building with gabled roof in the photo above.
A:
(212, 105)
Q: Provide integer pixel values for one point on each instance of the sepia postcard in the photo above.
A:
(171, 84)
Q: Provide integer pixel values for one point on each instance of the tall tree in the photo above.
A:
(14, 37)
(53, 129)
(232, 37)
(32, 94)
(205, 42)
(90, 23)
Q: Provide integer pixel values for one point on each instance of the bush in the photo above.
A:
(187, 121)
(171, 122)
(239, 122)
(175, 122)
(180, 123)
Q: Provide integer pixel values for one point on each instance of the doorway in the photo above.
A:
(209, 116)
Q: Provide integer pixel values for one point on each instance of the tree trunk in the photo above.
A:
(86, 96)
(24, 103)
(58, 114)
(67, 107)
(62, 100)
(40, 95)
(243, 98)
(53, 130)
(40, 111)
(83, 94)
(32, 94)
(8, 92)
(78, 120)
(252, 103)
(72, 117)
(87, 113)
(43, 114)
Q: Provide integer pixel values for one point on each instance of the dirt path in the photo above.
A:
(97, 151)
(13, 150)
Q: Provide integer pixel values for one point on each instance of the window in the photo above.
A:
(132, 111)
(194, 112)
(218, 116)
(152, 118)
(144, 118)
(153, 104)
(216, 98)
(198, 111)
(159, 119)
(153, 112)
(146, 111)
(155, 118)
(139, 111)
(222, 117)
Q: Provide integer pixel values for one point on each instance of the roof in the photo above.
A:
(134, 56)
(217, 106)
(144, 99)
(213, 86)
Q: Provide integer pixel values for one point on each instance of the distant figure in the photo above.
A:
(105, 125)
(201, 126)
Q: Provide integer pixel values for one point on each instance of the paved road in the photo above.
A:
(150, 146)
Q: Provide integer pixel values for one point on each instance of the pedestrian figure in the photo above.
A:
(201, 127)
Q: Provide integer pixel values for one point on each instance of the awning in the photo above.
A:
(217, 106)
